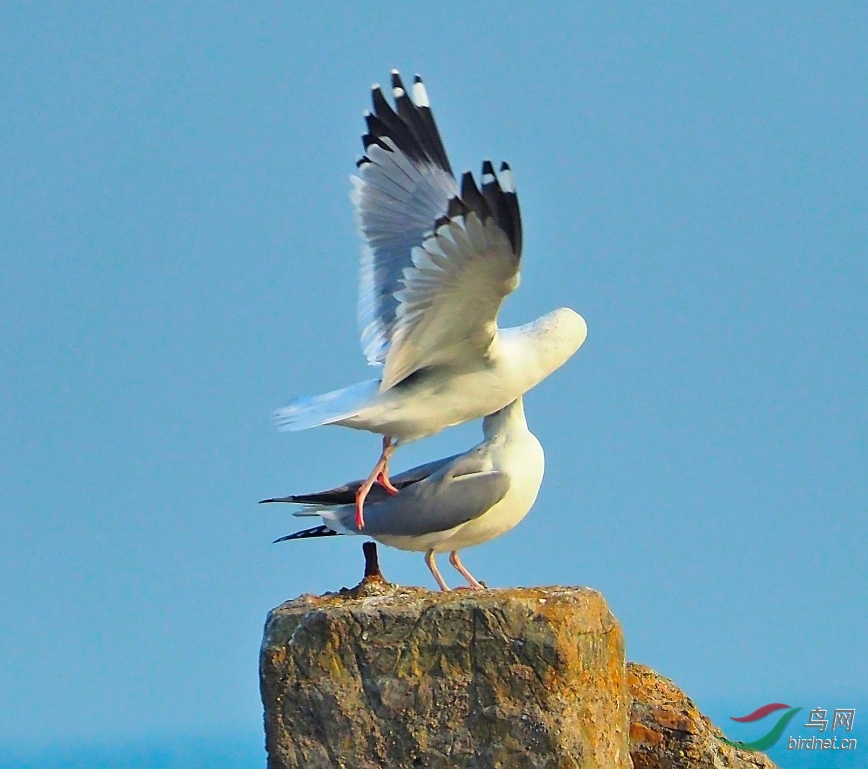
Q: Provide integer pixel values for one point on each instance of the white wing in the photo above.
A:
(437, 262)
(403, 186)
(448, 307)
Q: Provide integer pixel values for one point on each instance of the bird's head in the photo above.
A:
(559, 334)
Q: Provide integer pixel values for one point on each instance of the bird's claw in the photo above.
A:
(384, 481)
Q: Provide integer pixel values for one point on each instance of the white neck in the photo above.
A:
(508, 420)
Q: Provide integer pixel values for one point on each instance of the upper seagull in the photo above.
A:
(439, 259)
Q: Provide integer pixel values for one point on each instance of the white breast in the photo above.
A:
(524, 461)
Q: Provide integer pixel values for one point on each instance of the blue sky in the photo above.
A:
(179, 258)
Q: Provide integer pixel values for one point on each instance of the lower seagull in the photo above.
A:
(445, 505)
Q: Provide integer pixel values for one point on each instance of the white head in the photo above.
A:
(546, 344)
(564, 331)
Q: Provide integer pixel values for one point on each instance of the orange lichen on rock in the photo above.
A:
(402, 677)
(531, 678)
(667, 729)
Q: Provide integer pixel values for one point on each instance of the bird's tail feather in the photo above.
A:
(339, 518)
(310, 511)
(326, 409)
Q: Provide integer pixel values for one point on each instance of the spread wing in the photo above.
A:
(460, 276)
(438, 260)
(403, 186)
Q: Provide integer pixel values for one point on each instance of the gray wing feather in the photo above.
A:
(433, 504)
(416, 474)
(346, 494)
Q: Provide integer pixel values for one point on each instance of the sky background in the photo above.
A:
(178, 258)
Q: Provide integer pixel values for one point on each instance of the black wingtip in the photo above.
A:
(312, 533)
(409, 125)
(456, 207)
(378, 99)
(495, 197)
(468, 185)
(473, 198)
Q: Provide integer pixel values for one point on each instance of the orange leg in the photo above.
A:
(383, 476)
(380, 471)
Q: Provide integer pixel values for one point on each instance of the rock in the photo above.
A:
(667, 731)
(385, 676)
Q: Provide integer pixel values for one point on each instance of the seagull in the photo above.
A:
(437, 262)
(445, 505)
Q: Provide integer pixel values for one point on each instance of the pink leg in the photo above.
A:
(432, 567)
(456, 562)
(383, 480)
(383, 477)
(380, 468)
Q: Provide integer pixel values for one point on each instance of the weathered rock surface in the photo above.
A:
(667, 731)
(385, 676)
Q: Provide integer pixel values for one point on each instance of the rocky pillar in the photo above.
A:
(384, 676)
